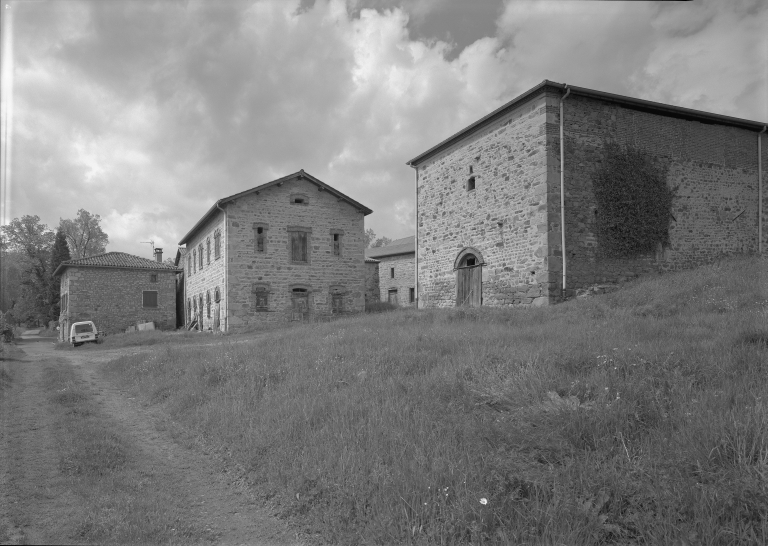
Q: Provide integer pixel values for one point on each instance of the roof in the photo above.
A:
(181, 252)
(406, 245)
(115, 260)
(301, 175)
(371, 261)
(628, 102)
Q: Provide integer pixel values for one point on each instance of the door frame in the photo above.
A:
(459, 268)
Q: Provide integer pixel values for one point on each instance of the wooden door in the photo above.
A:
(469, 282)
(299, 305)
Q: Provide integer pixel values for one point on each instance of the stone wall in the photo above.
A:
(403, 280)
(272, 271)
(504, 218)
(112, 298)
(202, 282)
(713, 167)
(371, 281)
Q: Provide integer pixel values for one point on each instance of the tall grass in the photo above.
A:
(635, 417)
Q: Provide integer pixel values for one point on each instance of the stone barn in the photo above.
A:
(116, 290)
(490, 209)
(396, 274)
(287, 250)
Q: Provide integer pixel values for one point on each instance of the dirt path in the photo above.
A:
(35, 498)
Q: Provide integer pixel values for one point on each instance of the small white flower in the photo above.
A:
(483, 501)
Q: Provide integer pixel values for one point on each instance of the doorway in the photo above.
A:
(469, 281)
(299, 304)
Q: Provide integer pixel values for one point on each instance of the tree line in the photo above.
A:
(30, 252)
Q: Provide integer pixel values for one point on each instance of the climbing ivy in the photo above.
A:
(633, 202)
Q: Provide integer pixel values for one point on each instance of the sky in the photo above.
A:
(146, 112)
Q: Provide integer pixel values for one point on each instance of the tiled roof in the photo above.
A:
(115, 259)
(371, 261)
(406, 245)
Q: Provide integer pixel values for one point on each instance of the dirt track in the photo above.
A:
(36, 501)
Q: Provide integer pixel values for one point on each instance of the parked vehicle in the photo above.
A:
(83, 332)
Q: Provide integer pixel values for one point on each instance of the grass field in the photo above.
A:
(637, 417)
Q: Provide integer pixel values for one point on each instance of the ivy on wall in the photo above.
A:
(633, 202)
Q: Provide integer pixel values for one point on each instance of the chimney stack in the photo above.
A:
(159, 254)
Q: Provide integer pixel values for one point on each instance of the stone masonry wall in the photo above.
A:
(112, 298)
(403, 281)
(201, 282)
(714, 168)
(505, 217)
(322, 214)
(371, 282)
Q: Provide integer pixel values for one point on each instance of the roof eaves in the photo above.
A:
(64, 265)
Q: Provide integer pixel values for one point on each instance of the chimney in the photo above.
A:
(159, 254)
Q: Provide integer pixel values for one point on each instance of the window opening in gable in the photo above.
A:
(260, 236)
(471, 183)
(149, 298)
(471, 169)
(337, 244)
(391, 272)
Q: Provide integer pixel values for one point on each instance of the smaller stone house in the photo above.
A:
(396, 271)
(116, 290)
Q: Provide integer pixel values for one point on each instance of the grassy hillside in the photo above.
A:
(636, 417)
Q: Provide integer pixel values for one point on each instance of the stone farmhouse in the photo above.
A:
(395, 264)
(117, 290)
(287, 250)
(492, 199)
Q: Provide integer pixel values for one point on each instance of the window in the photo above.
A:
(261, 298)
(471, 183)
(194, 261)
(337, 304)
(208, 250)
(337, 244)
(391, 272)
(260, 237)
(299, 199)
(189, 310)
(392, 296)
(216, 294)
(208, 304)
(299, 246)
(189, 265)
(63, 303)
(200, 248)
(217, 244)
(149, 298)
(194, 307)
(153, 277)
(411, 295)
(201, 306)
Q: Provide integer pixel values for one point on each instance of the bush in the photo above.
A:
(379, 307)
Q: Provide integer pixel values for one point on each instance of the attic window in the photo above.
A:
(471, 183)
(153, 277)
(299, 199)
(336, 237)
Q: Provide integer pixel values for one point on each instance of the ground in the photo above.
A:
(43, 501)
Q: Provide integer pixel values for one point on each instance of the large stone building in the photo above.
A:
(290, 249)
(117, 290)
(396, 272)
(489, 208)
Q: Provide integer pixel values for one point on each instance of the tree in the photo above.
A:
(32, 241)
(84, 234)
(60, 253)
(381, 241)
(370, 237)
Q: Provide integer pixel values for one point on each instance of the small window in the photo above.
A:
(216, 294)
(471, 170)
(200, 247)
(470, 262)
(337, 304)
(391, 272)
(189, 265)
(337, 244)
(208, 250)
(261, 298)
(299, 199)
(194, 261)
(153, 277)
(299, 250)
(411, 295)
(149, 298)
(471, 183)
(208, 304)
(217, 244)
(260, 239)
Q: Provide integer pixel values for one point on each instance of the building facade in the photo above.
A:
(287, 250)
(489, 211)
(117, 290)
(396, 271)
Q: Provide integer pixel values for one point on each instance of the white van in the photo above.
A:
(83, 332)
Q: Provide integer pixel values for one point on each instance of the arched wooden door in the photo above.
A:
(469, 281)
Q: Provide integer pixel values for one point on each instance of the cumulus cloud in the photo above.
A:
(147, 112)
